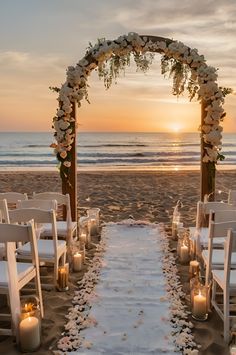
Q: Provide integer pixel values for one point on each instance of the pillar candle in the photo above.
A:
(77, 262)
(193, 268)
(184, 253)
(199, 306)
(63, 277)
(29, 333)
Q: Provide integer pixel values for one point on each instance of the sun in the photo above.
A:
(175, 128)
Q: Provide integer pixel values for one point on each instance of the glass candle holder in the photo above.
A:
(193, 283)
(175, 224)
(183, 249)
(30, 324)
(82, 239)
(77, 261)
(194, 268)
(63, 278)
(82, 251)
(93, 230)
(192, 247)
(199, 304)
(232, 345)
(93, 215)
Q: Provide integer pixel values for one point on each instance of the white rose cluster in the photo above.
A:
(75, 88)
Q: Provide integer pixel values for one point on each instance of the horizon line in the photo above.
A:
(152, 132)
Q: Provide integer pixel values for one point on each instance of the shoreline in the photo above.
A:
(171, 168)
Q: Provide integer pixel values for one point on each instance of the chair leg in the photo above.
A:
(39, 293)
(63, 258)
(208, 272)
(213, 296)
(226, 316)
(56, 264)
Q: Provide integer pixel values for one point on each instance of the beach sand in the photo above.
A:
(149, 196)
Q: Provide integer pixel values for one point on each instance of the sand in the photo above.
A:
(148, 196)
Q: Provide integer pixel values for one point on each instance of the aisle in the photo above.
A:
(130, 310)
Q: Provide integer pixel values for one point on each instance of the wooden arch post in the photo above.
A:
(70, 186)
(207, 169)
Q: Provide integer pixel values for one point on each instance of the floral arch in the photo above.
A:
(200, 79)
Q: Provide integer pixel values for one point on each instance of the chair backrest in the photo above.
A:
(12, 234)
(60, 198)
(23, 215)
(4, 215)
(13, 197)
(223, 216)
(204, 208)
(41, 204)
(230, 247)
(232, 197)
(220, 229)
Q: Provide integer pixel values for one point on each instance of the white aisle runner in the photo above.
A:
(131, 310)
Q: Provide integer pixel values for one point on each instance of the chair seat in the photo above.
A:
(201, 235)
(218, 275)
(61, 228)
(218, 258)
(45, 248)
(22, 270)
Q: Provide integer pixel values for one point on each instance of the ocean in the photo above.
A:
(142, 151)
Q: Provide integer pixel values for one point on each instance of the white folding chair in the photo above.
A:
(4, 218)
(50, 251)
(214, 258)
(15, 275)
(12, 198)
(223, 215)
(39, 204)
(204, 208)
(199, 233)
(226, 280)
(68, 228)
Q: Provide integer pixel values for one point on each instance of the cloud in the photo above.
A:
(15, 60)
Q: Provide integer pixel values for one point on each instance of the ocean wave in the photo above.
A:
(25, 154)
(36, 146)
(112, 145)
(28, 162)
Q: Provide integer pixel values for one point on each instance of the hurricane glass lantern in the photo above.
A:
(30, 324)
(93, 215)
(183, 249)
(232, 345)
(199, 302)
(194, 268)
(63, 278)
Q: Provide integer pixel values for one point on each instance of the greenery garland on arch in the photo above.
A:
(187, 68)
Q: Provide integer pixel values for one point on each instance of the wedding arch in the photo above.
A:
(189, 71)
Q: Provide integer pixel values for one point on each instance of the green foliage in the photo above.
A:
(113, 68)
(54, 88)
(181, 75)
(226, 91)
(220, 157)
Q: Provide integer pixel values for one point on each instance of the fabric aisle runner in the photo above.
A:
(130, 308)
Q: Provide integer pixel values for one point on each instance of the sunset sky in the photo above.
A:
(39, 39)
